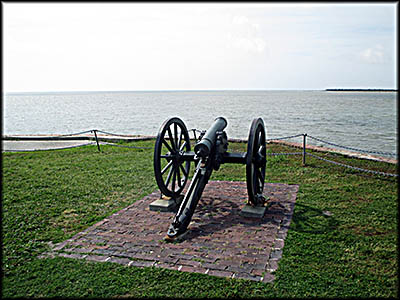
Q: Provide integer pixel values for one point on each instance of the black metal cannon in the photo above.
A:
(172, 157)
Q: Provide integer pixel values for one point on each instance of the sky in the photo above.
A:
(198, 46)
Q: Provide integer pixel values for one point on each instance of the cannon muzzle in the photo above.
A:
(203, 148)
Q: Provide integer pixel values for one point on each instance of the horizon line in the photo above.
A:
(189, 90)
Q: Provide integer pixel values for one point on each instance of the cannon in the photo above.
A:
(173, 155)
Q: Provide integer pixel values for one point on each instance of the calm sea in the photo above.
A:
(366, 120)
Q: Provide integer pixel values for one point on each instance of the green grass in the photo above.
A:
(50, 196)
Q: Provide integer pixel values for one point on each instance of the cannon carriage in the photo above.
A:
(173, 156)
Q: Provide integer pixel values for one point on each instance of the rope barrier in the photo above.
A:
(269, 139)
(109, 133)
(285, 153)
(351, 167)
(61, 136)
(77, 133)
(196, 130)
(123, 146)
(68, 147)
(285, 137)
(350, 148)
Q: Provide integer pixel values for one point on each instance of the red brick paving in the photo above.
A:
(219, 242)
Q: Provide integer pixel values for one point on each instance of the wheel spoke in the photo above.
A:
(256, 145)
(255, 184)
(258, 181)
(173, 181)
(260, 159)
(169, 177)
(263, 149)
(168, 146)
(259, 174)
(178, 177)
(166, 167)
(178, 145)
(182, 146)
(171, 138)
(260, 185)
(183, 171)
(176, 136)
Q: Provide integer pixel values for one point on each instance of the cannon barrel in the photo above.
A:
(203, 148)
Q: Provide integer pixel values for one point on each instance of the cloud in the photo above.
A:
(246, 35)
(374, 55)
(252, 44)
(194, 46)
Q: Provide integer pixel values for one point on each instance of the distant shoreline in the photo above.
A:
(360, 90)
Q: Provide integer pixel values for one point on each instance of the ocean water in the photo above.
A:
(365, 120)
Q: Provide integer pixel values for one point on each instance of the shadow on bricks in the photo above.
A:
(219, 241)
(217, 215)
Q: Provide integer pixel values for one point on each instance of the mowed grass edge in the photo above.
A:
(49, 196)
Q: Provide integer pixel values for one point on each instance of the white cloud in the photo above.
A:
(245, 34)
(193, 46)
(374, 55)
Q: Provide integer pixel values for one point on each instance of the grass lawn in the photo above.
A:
(49, 196)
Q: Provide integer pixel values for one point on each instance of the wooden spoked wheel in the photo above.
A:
(256, 162)
(170, 170)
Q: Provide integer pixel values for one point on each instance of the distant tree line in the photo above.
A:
(361, 90)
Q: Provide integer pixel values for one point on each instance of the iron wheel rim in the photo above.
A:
(170, 170)
(256, 162)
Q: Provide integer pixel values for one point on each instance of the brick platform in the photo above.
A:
(219, 242)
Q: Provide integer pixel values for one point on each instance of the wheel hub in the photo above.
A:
(259, 159)
(177, 157)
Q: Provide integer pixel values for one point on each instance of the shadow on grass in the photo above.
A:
(312, 220)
